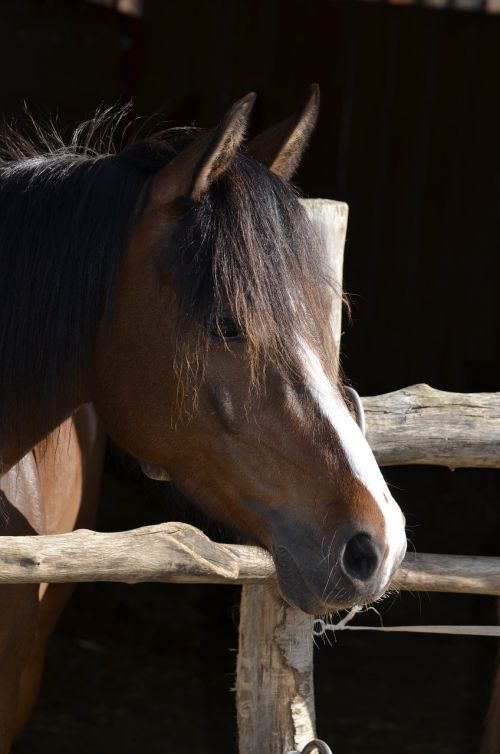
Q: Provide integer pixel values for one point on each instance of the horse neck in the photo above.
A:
(57, 276)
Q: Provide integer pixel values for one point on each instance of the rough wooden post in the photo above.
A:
(329, 219)
(274, 678)
(275, 693)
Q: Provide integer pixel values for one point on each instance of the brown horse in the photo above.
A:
(177, 286)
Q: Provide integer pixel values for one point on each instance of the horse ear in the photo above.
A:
(281, 147)
(209, 155)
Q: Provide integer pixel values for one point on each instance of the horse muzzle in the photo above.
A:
(356, 572)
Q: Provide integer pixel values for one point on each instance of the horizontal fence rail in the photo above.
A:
(421, 425)
(180, 553)
(415, 425)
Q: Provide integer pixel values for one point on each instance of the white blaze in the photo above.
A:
(358, 455)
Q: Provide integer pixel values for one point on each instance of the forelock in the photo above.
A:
(248, 245)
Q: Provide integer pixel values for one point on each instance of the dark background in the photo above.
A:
(409, 138)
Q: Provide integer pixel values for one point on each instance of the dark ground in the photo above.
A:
(151, 667)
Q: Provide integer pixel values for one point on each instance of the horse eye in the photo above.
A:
(225, 328)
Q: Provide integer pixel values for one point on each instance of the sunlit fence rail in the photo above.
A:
(180, 554)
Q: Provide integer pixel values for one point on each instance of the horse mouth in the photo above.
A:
(293, 586)
(155, 472)
(296, 590)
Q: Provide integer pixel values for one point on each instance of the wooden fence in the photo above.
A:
(274, 687)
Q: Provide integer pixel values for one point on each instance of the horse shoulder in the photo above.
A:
(69, 466)
(53, 489)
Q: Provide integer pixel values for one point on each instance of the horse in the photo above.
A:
(171, 294)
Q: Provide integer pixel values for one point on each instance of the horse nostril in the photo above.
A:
(361, 557)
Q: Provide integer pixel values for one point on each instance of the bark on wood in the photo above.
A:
(420, 425)
(274, 686)
(179, 553)
(425, 572)
(274, 681)
(329, 220)
(171, 552)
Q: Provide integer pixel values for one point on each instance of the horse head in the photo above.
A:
(217, 367)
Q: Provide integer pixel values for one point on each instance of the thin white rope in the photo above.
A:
(492, 631)
(321, 627)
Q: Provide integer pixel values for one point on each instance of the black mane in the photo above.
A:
(67, 213)
(248, 246)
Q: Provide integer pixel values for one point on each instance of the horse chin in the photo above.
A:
(155, 472)
(304, 599)
(293, 587)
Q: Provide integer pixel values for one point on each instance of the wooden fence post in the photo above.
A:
(275, 693)
(274, 678)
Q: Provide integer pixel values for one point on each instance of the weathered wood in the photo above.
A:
(425, 572)
(274, 679)
(179, 553)
(274, 686)
(329, 219)
(170, 552)
(420, 425)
